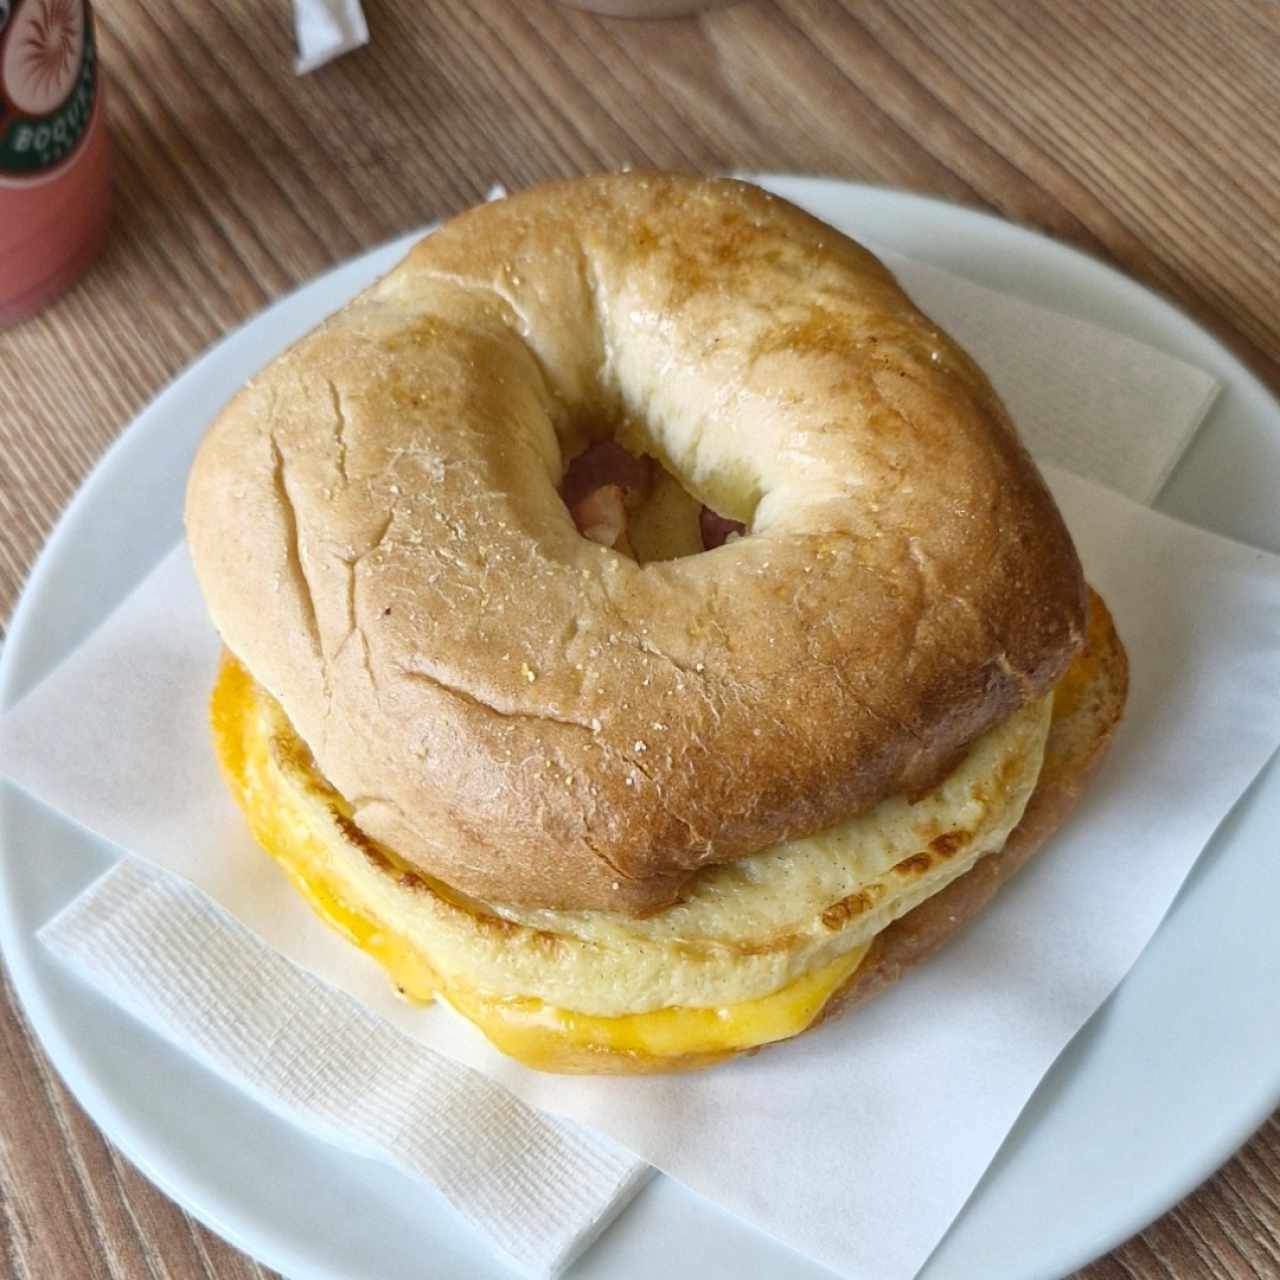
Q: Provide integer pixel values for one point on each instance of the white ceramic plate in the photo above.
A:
(1169, 1077)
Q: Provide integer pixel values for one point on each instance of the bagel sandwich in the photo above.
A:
(644, 629)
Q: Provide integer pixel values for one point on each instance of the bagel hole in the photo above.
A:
(628, 501)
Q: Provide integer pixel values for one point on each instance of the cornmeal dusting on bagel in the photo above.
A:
(512, 727)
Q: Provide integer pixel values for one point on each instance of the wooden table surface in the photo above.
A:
(1145, 131)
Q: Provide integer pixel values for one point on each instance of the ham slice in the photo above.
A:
(602, 516)
(604, 482)
(718, 529)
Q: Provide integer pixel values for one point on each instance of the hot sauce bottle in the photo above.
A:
(54, 161)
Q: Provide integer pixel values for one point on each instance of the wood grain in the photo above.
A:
(1145, 131)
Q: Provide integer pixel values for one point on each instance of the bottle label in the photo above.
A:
(48, 86)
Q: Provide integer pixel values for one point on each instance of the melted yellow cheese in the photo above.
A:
(536, 1033)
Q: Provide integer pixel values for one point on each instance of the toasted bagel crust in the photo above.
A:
(1087, 712)
(360, 891)
(534, 718)
(1079, 739)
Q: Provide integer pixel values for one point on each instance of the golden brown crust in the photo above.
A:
(533, 718)
(1081, 733)
(1093, 699)
(296, 817)
(1078, 741)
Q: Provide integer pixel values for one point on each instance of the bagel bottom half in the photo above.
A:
(306, 826)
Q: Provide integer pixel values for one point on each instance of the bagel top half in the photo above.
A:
(533, 718)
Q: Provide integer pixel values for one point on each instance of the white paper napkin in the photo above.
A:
(828, 1174)
(326, 29)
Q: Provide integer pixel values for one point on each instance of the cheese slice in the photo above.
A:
(539, 1034)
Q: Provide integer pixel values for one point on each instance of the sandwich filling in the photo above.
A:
(750, 955)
